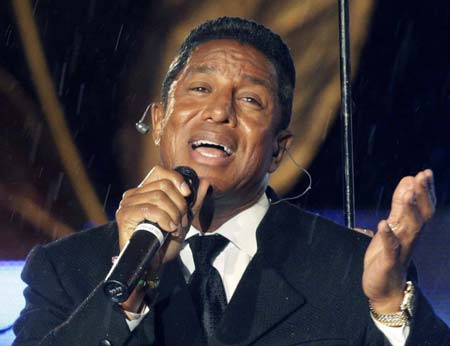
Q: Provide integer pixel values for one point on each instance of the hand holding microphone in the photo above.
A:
(164, 199)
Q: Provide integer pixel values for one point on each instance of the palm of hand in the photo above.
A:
(388, 255)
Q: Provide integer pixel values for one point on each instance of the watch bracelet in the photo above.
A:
(404, 316)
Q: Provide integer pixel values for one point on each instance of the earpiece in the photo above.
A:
(141, 126)
(304, 170)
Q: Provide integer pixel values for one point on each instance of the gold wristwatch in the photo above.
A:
(404, 316)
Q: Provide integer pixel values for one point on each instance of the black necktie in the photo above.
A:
(206, 285)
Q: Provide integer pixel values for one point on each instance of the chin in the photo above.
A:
(218, 185)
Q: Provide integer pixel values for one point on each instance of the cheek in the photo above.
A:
(181, 112)
(258, 133)
(171, 140)
(261, 155)
(259, 149)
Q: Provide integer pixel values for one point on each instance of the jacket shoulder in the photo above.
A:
(316, 229)
(80, 260)
(95, 236)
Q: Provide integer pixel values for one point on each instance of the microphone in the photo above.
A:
(138, 252)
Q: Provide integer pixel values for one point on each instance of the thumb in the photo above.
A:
(178, 236)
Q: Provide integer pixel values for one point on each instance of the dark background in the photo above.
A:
(401, 108)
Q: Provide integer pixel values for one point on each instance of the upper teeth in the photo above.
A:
(222, 146)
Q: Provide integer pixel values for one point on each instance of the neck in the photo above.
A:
(216, 211)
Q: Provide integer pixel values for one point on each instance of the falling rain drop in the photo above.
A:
(118, 38)
(35, 143)
(80, 99)
(106, 196)
(57, 187)
(62, 79)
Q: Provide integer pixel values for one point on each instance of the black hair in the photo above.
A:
(247, 32)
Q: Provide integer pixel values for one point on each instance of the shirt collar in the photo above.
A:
(241, 228)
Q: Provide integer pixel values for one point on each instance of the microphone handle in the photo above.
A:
(139, 251)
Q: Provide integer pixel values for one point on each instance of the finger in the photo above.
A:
(364, 231)
(180, 233)
(409, 222)
(425, 195)
(129, 217)
(127, 194)
(160, 173)
(404, 214)
(150, 191)
(397, 206)
(162, 200)
(390, 243)
(431, 188)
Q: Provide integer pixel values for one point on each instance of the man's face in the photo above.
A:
(221, 119)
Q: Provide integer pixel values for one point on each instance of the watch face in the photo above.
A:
(407, 306)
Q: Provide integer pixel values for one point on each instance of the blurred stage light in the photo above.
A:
(11, 299)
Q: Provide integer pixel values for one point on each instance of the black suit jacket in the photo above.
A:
(303, 287)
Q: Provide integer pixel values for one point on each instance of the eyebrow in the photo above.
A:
(259, 81)
(201, 69)
(208, 69)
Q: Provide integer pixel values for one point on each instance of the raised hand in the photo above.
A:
(388, 255)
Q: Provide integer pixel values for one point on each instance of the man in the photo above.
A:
(285, 277)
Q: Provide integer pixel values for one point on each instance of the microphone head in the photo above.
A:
(191, 178)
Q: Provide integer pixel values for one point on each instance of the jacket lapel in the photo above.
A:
(175, 317)
(264, 296)
(249, 315)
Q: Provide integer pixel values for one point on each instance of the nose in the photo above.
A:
(221, 109)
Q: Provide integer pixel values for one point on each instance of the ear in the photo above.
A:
(282, 143)
(158, 113)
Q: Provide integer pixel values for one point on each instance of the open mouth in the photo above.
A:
(211, 149)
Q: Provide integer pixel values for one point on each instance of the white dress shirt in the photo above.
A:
(235, 257)
(231, 263)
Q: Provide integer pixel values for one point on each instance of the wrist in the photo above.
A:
(135, 301)
(398, 316)
(144, 294)
(387, 305)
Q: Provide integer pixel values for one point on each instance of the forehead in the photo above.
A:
(231, 57)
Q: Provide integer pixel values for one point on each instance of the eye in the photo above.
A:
(200, 89)
(251, 100)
